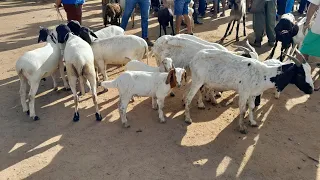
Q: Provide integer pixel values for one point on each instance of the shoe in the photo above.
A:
(271, 44)
(197, 22)
(255, 44)
(148, 42)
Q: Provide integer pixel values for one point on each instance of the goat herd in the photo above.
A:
(214, 68)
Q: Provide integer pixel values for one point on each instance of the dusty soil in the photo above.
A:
(211, 148)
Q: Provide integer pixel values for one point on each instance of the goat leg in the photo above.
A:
(225, 34)
(164, 29)
(160, 30)
(237, 35)
(272, 52)
(234, 21)
(171, 24)
(244, 25)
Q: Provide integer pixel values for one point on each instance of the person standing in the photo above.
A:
(311, 43)
(302, 6)
(264, 19)
(144, 12)
(73, 9)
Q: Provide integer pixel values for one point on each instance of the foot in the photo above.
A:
(197, 22)
(201, 106)
(188, 120)
(148, 42)
(253, 123)
(36, 118)
(256, 44)
(243, 129)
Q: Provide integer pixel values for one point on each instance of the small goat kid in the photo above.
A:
(223, 70)
(146, 84)
(112, 11)
(164, 18)
(237, 13)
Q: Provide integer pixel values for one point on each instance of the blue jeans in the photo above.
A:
(201, 8)
(302, 6)
(144, 11)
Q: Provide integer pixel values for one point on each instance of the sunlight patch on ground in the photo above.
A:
(199, 134)
(31, 165)
(46, 143)
(223, 166)
(200, 162)
(265, 116)
(296, 101)
(247, 156)
(58, 101)
(4, 84)
(16, 146)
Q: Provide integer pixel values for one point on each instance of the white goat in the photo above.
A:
(226, 71)
(147, 84)
(135, 65)
(195, 38)
(79, 60)
(109, 31)
(34, 65)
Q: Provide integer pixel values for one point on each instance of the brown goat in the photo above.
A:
(112, 10)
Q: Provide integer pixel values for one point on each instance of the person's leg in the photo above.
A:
(223, 2)
(258, 28)
(186, 17)
(144, 10)
(178, 11)
(289, 6)
(302, 6)
(130, 5)
(201, 9)
(195, 15)
(270, 18)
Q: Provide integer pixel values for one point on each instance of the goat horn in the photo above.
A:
(294, 59)
(303, 59)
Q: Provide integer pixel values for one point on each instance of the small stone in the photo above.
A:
(139, 130)
(289, 139)
(299, 167)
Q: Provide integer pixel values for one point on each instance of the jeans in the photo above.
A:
(289, 6)
(302, 6)
(202, 7)
(144, 10)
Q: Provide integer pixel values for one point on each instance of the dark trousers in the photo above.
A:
(74, 12)
(202, 7)
(281, 7)
(302, 6)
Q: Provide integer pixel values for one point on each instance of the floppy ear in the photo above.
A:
(172, 78)
(294, 30)
(93, 34)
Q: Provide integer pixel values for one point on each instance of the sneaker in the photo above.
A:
(271, 44)
(148, 42)
(256, 44)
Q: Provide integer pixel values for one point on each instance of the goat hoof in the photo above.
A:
(188, 122)
(98, 117)
(76, 117)
(66, 89)
(243, 130)
(172, 94)
(55, 89)
(126, 125)
(163, 121)
(36, 118)
(28, 112)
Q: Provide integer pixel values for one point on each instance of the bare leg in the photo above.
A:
(188, 22)
(178, 24)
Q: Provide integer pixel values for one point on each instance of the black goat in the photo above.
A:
(285, 30)
(164, 17)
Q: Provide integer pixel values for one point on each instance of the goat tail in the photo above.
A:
(109, 84)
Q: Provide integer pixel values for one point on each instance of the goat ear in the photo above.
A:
(171, 78)
(295, 30)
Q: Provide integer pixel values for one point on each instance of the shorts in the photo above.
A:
(310, 44)
(74, 12)
(181, 7)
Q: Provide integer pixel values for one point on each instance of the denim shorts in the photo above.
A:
(181, 7)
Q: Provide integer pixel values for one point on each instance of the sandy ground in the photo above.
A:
(211, 148)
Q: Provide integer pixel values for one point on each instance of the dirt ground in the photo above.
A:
(282, 147)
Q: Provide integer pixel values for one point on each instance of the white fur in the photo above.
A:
(79, 60)
(118, 50)
(141, 83)
(109, 31)
(34, 65)
(135, 65)
(226, 71)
